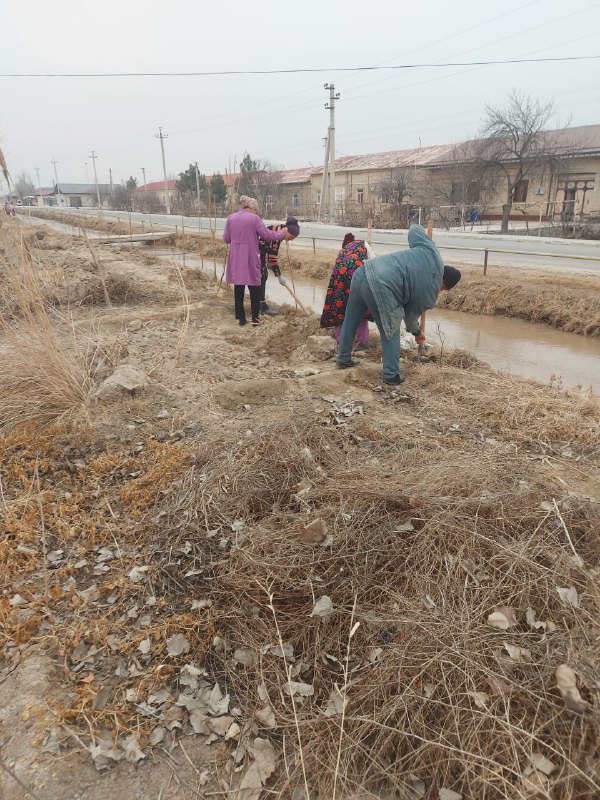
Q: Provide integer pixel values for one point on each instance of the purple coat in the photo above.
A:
(241, 233)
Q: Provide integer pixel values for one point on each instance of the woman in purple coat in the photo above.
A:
(241, 233)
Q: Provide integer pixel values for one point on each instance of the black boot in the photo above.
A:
(269, 312)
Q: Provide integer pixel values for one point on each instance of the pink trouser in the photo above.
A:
(362, 332)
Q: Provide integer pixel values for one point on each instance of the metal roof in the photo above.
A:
(82, 188)
(581, 140)
(157, 186)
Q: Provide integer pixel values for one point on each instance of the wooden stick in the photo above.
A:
(223, 273)
(287, 249)
(298, 302)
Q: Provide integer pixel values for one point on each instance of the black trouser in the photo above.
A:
(238, 294)
(263, 289)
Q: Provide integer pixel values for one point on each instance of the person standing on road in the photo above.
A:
(350, 258)
(241, 233)
(9, 210)
(269, 252)
(394, 287)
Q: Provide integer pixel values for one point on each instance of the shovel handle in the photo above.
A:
(296, 299)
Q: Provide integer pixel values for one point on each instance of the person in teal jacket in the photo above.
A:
(395, 287)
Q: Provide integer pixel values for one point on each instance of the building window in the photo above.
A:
(340, 194)
(268, 201)
(360, 195)
(318, 198)
(520, 192)
(295, 200)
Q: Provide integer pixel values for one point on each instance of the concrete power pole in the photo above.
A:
(324, 181)
(94, 157)
(160, 135)
(54, 162)
(37, 169)
(198, 187)
(331, 143)
(144, 176)
(112, 188)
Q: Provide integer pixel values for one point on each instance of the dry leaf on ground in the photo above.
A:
(323, 608)
(566, 680)
(502, 618)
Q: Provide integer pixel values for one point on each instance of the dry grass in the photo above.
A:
(44, 377)
(569, 304)
(479, 540)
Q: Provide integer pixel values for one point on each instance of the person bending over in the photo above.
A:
(394, 287)
(269, 252)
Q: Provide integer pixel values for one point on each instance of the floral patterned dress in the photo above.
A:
(349, 259)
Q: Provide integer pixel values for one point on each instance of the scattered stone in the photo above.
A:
(135, 325)
(321, 347)
(124, 380)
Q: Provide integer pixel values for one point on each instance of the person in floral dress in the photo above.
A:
(350, 258)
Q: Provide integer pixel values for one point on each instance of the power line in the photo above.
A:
(287, 71)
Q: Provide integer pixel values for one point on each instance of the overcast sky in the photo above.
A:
(214, 120)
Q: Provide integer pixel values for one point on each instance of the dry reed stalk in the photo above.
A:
(42, 379)
(185, 325)
(99, 269)
(4, 168)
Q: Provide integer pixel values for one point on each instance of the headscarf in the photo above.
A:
(349, 237)
(291, 224)
(248, 202)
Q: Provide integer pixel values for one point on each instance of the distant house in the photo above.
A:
(44, 196)
(80, 195)
(158, 188)
(436, 175)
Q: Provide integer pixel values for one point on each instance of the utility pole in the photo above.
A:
(160, 135)
(144, 176)
(331, 142)
(94, 157)
(324, 181)
(54, 162)
(198, 187)
(37, 169)
(112, 188)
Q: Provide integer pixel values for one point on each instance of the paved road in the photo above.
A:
(460, 248)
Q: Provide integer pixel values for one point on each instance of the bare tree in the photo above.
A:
(262, 179)
(147, 202)
(516, 146)
(24, 186)
(397, 187)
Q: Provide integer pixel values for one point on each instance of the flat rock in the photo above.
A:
(126, 379)
(321, 347)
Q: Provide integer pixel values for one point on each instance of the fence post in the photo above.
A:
(485, 261)
(314, 247)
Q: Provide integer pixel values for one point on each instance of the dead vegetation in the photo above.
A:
(569, 304)
(357, 591)
(45, 376)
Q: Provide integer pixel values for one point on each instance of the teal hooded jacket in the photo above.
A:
(406, 283)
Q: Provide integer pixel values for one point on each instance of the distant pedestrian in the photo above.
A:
(394, 287)
(350, 258)
(269, 252)
(241, 233)
(9, 210)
